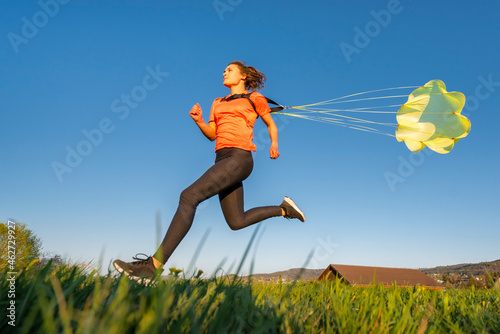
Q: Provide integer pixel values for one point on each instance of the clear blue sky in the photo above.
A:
(71, 68)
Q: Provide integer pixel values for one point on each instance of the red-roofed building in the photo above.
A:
(364, 276)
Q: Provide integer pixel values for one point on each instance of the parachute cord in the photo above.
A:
(361, 93)
(360, 109)
(363, 110)
(352, 119)
(356, 110)
(355, 100)
(341, 123)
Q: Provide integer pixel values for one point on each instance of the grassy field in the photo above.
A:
(64, 299)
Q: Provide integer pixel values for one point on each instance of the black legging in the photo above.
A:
(232, 166)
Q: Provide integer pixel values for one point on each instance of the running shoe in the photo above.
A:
(142, 269)
(292, 210)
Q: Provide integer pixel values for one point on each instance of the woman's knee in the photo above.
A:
(235, 223)
(189, 198)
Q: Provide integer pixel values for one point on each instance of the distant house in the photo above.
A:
(364, 276)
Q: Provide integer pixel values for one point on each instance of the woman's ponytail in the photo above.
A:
(255, 79)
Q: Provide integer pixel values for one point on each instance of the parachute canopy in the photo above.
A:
(431, 117)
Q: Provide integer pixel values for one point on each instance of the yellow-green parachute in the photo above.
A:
(431, 116)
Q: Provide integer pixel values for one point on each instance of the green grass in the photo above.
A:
(65, 299)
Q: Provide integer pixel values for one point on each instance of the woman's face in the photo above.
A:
(233, 76)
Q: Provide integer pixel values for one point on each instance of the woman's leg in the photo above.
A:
(231, 167)
(225, 177)
(231, 202)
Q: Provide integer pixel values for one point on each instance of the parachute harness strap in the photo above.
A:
(278, 107)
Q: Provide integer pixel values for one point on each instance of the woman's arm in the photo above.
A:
(273, 134)
(207, 129)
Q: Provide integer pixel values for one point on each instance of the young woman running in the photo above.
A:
(231, 126)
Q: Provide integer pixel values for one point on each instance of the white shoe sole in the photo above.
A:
(118, 268)
(295, 207)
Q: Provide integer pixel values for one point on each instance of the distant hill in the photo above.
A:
(313, 274)
(290, 275)
(465, 268)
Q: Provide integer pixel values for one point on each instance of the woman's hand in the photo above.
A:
(196, 113)
(207, 129)
(273, 151)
